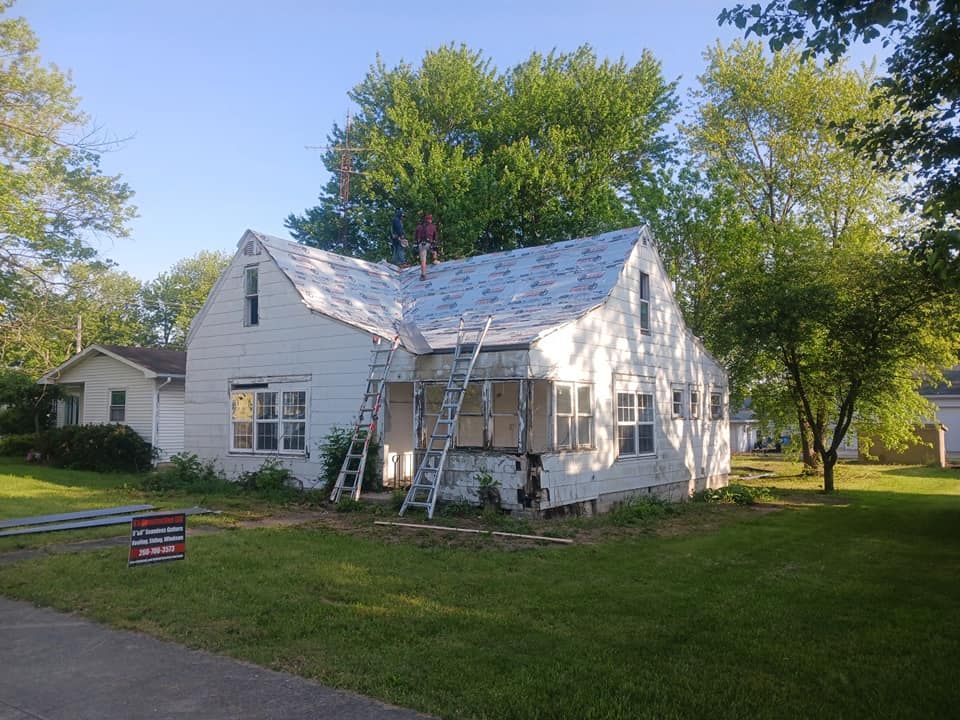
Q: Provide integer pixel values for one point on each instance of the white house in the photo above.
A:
(139, 387)
(588, 388)
(946, 397)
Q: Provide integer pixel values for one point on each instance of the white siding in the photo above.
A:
(289, 340)
(170, 418)
(100, 374)
(606, 345)
(948, 413)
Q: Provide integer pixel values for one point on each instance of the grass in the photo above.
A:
(808, 607)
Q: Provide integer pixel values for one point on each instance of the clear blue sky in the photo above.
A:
(219, 98)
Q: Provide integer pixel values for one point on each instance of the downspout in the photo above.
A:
(156, 411)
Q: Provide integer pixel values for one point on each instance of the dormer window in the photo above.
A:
(251, 296)
(644, 303)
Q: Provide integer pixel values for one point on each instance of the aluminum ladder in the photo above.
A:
(426, 482)
(350, 477)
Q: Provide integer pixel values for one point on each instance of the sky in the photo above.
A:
(215, 101)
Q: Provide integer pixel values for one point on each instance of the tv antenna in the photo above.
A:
(345, 170)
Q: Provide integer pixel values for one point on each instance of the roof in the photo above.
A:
(529, 292)
(950, 387)
(152, 362)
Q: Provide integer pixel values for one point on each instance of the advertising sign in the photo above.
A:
(156, 538)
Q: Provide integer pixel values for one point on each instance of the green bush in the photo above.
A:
(638, 510)
(348, 504)
(734, 493)
(102, 448)
(188, 473)
(271, 481)
(18, 445)
(334, 449)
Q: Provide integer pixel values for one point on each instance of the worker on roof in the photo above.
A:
(426, 238)
(398, 240)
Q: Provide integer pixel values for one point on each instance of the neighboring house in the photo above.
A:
(589, 388)
(946, 396)
(743, 429)
(139, 387)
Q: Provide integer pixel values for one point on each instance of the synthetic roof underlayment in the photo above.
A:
(529, 292)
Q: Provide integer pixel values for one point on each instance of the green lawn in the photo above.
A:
(810, 607)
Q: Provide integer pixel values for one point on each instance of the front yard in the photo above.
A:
(806, 606)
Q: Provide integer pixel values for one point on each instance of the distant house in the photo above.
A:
(743, 429)
(139, 387)
(589, 387)
(946, 396)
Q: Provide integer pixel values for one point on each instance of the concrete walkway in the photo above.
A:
(55, 666)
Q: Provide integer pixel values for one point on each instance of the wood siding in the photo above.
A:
(170, 418)
(289, 340)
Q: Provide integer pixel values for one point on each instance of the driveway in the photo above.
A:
(60, 667)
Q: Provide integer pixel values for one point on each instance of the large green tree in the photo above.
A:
(174, 297)
(920, 135)
(560, 145)
(53, 194)
(799, 311)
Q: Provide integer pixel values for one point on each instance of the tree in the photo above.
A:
(52, 191)
(172, 300)
(560, 145)
(818, 312)
(26, 405)
(920, 136)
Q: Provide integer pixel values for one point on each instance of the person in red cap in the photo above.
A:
(426, 238)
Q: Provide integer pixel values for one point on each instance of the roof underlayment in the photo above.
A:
(529, 292)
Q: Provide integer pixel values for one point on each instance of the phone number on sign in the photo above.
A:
(158, 550)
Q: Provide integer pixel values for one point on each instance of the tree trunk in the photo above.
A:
(811, 462)
(828, 465)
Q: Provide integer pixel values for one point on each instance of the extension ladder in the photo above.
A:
(350, 478)
(426, 482)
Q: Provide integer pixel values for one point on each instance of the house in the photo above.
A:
(946, 397)
(743, 429)
(588, 388)
(139, 387)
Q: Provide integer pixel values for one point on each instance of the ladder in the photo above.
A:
(426, 482)
(350, 478)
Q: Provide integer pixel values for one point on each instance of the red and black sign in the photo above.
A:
(155, 538)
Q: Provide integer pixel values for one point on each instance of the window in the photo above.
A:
(268, 420)
(71, 410)
(716, 406)
(573, 412)
(118, 406)
(251, 296)
(694, 403)
(489, 414)
(678, 403)
(634, 424)
(644, 303)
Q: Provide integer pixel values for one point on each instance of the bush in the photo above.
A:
(18, 445)
(271, 481)
(334, 449)
(637, 510)
(102, 448)
(188, 473)
(734, 493)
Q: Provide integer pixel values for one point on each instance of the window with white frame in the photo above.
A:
(251, 295)
(694, 402)
(677, 402)
(268, 418)
(118, 406)
(716, 405)
(635, 423)
(573, 415)
(644, 303)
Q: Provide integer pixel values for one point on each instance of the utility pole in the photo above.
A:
(79, 333)
(345, 170)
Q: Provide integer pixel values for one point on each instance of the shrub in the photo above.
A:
(734, 493)
(488, 490)
(637, 510)
(188, 473)
(103, 448)
(271, 481)
(334, 449)
(18, 445)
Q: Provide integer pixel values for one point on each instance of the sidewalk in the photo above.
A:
(60, 667)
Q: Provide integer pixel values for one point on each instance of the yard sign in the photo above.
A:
(156, 538)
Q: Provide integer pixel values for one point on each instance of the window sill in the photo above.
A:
(268, 453)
